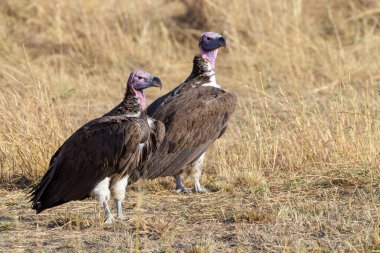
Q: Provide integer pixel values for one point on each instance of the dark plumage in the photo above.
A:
(195, 114)
(193, 121)
(102, 153)
(199, 75)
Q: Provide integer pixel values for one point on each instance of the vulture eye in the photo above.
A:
(208, 38)
(139, 77)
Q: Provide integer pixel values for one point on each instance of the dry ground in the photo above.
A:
(300, 213)
(298, 169)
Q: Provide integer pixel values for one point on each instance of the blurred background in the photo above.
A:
(306, 73)
(298, 168)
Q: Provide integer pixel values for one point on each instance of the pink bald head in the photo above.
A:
(139, 80)
(209, 42)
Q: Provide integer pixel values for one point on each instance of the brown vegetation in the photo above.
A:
(298, 169)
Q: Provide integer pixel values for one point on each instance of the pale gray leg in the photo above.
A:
(178, 183)
(197, 173)
(179, 186)
(118, 189)
(119, 210)
(198, 187)
(102, 194)
(107, 212)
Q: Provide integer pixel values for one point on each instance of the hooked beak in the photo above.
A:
(156, 82)
(215, 44)
(153, 82)
(222, 42)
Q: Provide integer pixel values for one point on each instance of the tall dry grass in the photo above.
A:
(306, 73)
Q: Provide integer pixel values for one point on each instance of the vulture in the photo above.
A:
(101, 155)
(195, 114)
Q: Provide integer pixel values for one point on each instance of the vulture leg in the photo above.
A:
(195, 170)
(102, 194)
(119, 210)
(107, 211)
(179, 186)
(197, 173)
(118, 190)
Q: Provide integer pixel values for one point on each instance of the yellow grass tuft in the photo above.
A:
(303, 143)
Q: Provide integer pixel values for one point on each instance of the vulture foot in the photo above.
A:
(182, 190)
(109, 220)
(198, 188)
(120, 217)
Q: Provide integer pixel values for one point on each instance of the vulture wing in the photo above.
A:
(155, 138)
(97, 150)
(193, 121)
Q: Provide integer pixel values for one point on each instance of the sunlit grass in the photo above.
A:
(306, 74)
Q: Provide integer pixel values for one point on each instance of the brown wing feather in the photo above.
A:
(193, 121)
(97, 150)
(157, 134)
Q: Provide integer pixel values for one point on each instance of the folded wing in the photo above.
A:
(193, 120)
(97, 150)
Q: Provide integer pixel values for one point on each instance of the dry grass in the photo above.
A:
(298, 169)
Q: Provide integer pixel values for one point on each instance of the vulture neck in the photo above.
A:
(210, 56)
(201, 66)
(202, 74)
(133, 102)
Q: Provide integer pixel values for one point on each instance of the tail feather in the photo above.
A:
(38, 191)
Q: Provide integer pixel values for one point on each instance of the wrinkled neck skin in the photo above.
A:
(141, 96)
(210, 56)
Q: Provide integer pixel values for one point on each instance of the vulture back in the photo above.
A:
(193, 121)
(99, 149)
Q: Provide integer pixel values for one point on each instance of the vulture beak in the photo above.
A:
(221, 42)
(215, 43)
(156, 82)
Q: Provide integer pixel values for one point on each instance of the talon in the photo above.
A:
(199, 190)
(198, 187)
(109, 220)
(177, 190)
(119, 218)
(182, 190)
(187, 190)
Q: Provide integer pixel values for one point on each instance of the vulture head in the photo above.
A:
(209, 42)
(138, 81)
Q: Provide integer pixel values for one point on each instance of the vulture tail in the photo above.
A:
(38, 191)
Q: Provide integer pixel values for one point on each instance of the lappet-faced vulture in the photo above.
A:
(195, 114)
(100, 156)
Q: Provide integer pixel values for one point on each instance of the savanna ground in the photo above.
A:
(298, 169)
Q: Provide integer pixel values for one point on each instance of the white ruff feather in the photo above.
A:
(150, 122)
(133, 115)
(212, 82)
(211, 74)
